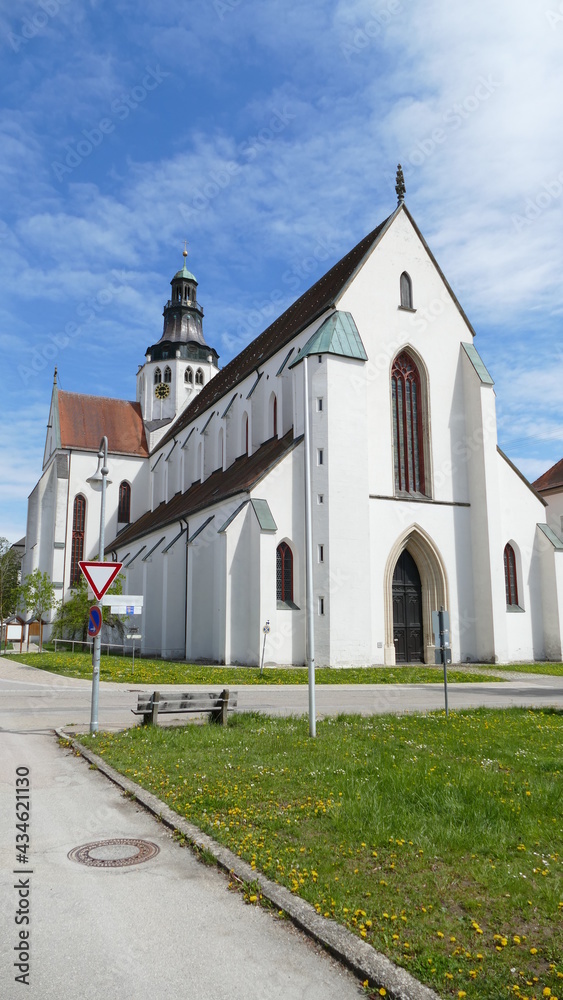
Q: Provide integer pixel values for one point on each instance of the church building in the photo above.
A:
(339, 479)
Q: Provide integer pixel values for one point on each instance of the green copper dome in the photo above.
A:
(184, 273)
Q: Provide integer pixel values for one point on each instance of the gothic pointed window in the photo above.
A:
(78, 526)
(157, 376)
(510, 577)
(167, 374)
(199, 377)
(406, 291)
(284, 572)
(124, 505)
(189, 376)
(408, 449)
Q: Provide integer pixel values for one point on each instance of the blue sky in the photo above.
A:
(267, 135)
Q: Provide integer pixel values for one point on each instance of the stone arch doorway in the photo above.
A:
(407, 611)
(433, 589)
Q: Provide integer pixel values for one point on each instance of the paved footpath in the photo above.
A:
(164, 929)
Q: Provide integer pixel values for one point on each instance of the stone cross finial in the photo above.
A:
(400, 185)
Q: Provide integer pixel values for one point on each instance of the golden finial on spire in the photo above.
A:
(185, 250)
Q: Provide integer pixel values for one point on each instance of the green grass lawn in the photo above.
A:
(120, 668)
(438, 841)
(551, 669)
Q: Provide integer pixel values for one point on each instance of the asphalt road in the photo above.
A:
(34, 699)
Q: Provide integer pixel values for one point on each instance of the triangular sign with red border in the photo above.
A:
(100, 575)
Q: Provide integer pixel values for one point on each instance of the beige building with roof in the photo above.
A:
(383, 399)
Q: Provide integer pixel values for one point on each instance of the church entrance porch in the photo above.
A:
(407, 611)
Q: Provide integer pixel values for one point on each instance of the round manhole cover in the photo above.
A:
(116, 853)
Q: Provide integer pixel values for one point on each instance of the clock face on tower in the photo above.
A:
(162, 390)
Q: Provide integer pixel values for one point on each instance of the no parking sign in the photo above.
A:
(95, 621)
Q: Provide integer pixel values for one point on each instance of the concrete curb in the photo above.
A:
(360, 957)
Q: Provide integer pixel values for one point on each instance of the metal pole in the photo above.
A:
(444, 656)
(309, 555)
(103, 454)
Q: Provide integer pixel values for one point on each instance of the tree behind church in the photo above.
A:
(37, 595)
(72, 616)
(9, 569)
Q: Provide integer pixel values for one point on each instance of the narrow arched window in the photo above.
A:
(406, 291)
(167, 374)
(157, 376)
(124, 505)
(246, 435)
(408, 451)
(275, 416)
(284, 572)
(189, 376)
(78, 526)
(510, 577)
(199, 377)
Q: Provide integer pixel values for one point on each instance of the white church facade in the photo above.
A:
(413, 505)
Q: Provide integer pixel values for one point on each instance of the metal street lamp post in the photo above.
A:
(97, 481)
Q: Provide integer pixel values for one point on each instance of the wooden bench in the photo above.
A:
(213, 703)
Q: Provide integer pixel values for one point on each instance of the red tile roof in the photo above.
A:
(84, 420)
(551, 480)
(240, 477)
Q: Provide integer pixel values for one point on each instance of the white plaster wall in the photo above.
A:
(554, 511)
(341, 429)
(521, 510)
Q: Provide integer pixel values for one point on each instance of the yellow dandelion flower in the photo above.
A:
(382, 992)
(533, 951)
(439, 934)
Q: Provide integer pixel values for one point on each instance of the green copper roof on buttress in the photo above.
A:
(337, 335)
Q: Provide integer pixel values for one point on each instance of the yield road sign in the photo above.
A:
(100, 575)
(95, 621)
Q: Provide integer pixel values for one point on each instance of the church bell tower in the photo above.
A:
(180, 364)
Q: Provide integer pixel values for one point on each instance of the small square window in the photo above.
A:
(320, 498)
(321, 553)
(321, 605)
(320, 456)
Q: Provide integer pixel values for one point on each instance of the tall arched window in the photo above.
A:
(406, 291)
(157, 376)
(408, 447)
(78, 525)
(167, 374)
(284, 572)
(245, 435)
(275, 416)
(510, 577)
(189, 376)
(124, 505)
(199, 377)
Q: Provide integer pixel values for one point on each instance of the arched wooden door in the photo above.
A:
(407, 611)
